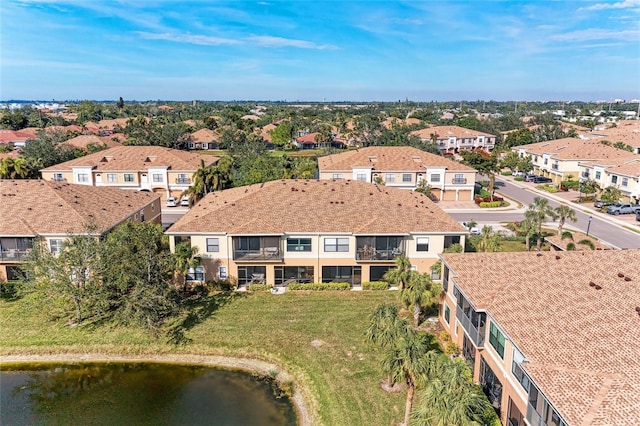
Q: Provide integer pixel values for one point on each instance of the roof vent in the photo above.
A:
(592, 284)
(558, 257)
(627, 278)
(598, 287)
(373, 158)
(539, 254)
(620, 274)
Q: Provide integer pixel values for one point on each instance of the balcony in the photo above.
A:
(554, 167)
(472, 321)
(459, 181)
(14, 255)
(383, 249)
(183, 181)
(58, 178)
(252, 249)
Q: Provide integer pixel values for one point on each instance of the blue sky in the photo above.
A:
(315, 50)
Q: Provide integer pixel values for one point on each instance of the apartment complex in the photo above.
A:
(586, 159)
(33, 210)
(288, 231)
(165, 171)
(453, 139)
(552, 337)
(401, 167)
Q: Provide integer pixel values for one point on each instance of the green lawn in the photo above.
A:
(342, 374)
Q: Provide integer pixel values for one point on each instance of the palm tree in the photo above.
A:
(528, 226)
(540, 211)
(410, 360)
(587, 242)
(451, 398)
(384, 325)
(564, 213)
(400, 275)
(419, 291)
(185, 258)
(489, 240)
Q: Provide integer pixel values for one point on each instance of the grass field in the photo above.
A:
(341, 374)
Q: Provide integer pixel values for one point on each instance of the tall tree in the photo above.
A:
(564, 213)
(539, 212)
(485, 164)
(185, 258)
(488, 241)
(418, 292)
(401, 274)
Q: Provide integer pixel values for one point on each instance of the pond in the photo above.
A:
(139, 394)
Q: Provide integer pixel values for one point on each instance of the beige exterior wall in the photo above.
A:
(67, 176)
(317, 257)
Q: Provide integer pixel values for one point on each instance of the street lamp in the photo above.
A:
(589, 225)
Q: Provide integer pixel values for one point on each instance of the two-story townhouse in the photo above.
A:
(402, 167)
(453, 139)
(560, 159)
(165, 171)
(313, 231)
(32, 210)
(552, 337)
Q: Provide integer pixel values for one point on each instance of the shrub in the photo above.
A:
(221, 285)
(320, 286)
(478, 199)
(570, 184)
(375, 285)
(548, 188)
(518, 179)
(8, 288)
(259, 287)
(491, 204)
(507, 173)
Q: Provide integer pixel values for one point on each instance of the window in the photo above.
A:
(55, 246)
(183, 179)
(213, 245)
(450, 240)
(614, 179)
(598, 174)
(435, 178)
(336, 244)
(546, 160)
(447, 313)
(337, 176)
(83, 177)
(517, 370)
(458, 178)
(222, 272)
(299, 244)
(112, 177)
(406, 177)
(496, 338)
(625, 181)
(158, 178)
(422, 244)
(377, 272)
(128, 177)
(195, 274)
(58, 177)
(362, 177)
(349, 274)
(285, 275)
(389, 178)
(248, 275)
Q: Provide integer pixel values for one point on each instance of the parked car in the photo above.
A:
(529, 178)
(184, 201)
(600, 204)
(541, 179)
(172, 202)
(517, 173)
(623, 208)
(638, 216)
(473, 230)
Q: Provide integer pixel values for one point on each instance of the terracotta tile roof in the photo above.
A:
(393, 121)
(83, 141)
(112, 124)
(316, 206)
(308, 138)
(14, 136)
(446, 131)
(138, 158)
(388, 158)
(582, 343)
(626, 131)
(204, 135)
(32, 207)
(578, 149)
(628, 168)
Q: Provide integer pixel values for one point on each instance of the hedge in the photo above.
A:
(490, 204)
(506, 173)
(319, 286)
(478, 199)
(8, 287)
(518, 179)
(375, 285)
(548, 188)
(259, 287)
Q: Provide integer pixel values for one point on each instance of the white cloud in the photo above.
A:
(598, 34)
(269, 41)
(190, 38)
(625, 4)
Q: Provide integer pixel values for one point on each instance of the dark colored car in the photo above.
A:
(541, 179)
(638, 216)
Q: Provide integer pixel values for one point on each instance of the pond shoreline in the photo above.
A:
(215, 361)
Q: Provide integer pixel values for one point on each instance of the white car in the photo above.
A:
(172, 202)
(184, 201)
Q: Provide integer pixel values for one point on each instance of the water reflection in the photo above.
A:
(138, 394)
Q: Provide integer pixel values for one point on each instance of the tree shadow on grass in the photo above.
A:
(197, 310)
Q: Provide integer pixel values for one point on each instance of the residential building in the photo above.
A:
(203, 139)
(579, 159)
(402, 167)
(453, 139)
(552, 337)
(625, 131)
(86, 142)
(313, 231)
(144, 168)
(32, 210)
(308, 141)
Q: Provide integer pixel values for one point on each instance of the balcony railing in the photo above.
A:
(183, 181)
(14, 255)
(58, 179)
(459, 181)
(261, 254)
(476, 335)
(533, 417)
(370, 253)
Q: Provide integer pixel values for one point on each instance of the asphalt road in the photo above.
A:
(599, 227)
